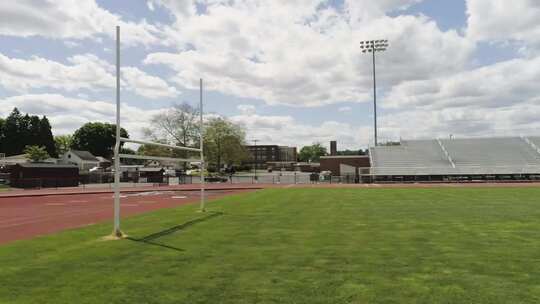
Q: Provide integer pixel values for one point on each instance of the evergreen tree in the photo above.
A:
(13, 143)
(46, 138)
(32, 132)
(18, 131)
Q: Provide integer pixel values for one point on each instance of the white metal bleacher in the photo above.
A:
(502, 155)
(534, 142)
(412, 157)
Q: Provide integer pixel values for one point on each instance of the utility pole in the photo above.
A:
(372, 46)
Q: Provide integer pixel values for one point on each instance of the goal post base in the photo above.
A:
(115, 235)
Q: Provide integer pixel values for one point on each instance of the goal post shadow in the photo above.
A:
(151, 238)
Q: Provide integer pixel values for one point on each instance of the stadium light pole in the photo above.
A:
(256, 152)
(372, 46)
(201, 141)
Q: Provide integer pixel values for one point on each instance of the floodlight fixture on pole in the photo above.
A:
(372, 46)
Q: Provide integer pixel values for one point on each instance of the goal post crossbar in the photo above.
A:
(172, 159)
(142, 142)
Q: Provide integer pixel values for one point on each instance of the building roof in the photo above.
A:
(308, 164)
(344, 156)
(18, 156)
(102, 159)
(151, 169)
(46, 165)
(85, 155)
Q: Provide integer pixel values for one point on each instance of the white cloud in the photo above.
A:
(500, 99)
(85, 72)
(345, 109)
(285, 130)
(470, 121)
(146, 85)
(502, 84)
(246, 109)
(502, 20)
(67, 114)
(367, 9)
(74, 19)
(302, 54)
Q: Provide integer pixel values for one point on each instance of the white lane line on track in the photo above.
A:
(178, 196)
(78, 201)
(55, 204)
(50, 217)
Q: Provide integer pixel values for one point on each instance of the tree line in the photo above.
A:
(17, 131)
(30, 134)
(223, 140)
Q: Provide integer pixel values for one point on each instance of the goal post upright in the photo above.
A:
(116, 231)
(201, 140)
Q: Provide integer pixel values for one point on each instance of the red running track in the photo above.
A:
(30, 216)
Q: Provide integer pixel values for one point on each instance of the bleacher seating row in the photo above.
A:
(479, 156)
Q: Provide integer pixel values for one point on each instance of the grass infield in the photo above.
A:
(458, 245)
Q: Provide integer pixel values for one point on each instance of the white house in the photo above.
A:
(83, 159)
(21, 159)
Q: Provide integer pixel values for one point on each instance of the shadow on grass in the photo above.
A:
(150, 239)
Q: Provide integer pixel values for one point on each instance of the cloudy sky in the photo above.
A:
(290, 71)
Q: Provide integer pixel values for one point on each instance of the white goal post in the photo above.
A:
(119, 140)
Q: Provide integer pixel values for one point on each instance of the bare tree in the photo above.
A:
(176, 126)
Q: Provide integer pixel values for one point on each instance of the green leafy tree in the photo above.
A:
(97, 138)
(129, 161)
(151, 150)
(36, 153)
(63, 143)
(224, 143)
(312, 153)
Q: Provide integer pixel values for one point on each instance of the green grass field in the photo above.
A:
(451, 245)
(4, 187)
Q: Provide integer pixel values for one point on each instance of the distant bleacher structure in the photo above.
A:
(439, 159)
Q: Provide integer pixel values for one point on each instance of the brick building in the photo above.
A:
(344, 165)
(262, 154)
